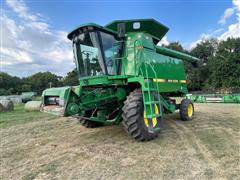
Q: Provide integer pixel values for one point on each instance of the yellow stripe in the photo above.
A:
(159, 80)
(170, 80)
(183, 81)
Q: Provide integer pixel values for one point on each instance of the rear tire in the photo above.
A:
(133, 117)
(186, 110)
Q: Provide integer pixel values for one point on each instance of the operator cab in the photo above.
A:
(95, 50)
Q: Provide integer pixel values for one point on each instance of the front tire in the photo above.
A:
(186, 110)
(133, 118)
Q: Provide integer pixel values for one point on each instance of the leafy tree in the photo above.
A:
(225, 65)
(71, 79)
(26, 87)
(43, 80)
(175, 46)
(204, 50)
(9, 84)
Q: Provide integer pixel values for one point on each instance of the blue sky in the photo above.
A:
(34, 32)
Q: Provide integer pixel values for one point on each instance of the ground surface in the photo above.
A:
(41, 146)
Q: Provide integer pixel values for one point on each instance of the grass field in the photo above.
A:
(42, 146)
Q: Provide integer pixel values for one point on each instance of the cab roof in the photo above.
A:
(88, 26)
(150, 26)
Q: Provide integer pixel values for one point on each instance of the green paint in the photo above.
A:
(212, 98)
(110, 68)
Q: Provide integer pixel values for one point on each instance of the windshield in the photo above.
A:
(93, 52)
(109, 48)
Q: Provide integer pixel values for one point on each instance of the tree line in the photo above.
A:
(218, 69)
(37, 82)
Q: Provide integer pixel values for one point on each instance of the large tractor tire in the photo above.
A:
(186, 110)
(134, 122)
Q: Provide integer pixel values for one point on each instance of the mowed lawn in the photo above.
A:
(41, 146)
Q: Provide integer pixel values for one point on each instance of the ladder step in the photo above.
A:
(153, 116)
(149, 89)
(151, 102)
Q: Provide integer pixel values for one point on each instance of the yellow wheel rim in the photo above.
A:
(190, 110)
(154, 120)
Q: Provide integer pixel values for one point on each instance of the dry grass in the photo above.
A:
(59, 148)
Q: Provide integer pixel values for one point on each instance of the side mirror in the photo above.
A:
(121, 30)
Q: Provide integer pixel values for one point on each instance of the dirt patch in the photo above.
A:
(60, 148)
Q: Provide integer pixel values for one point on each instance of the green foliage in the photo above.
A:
(41, 81)
(219, 67)
(205, 49)
(26, 87)
(71, 79)
(37, 83)
(175, 46)
(9, 84)
(198, 77)
(225, 65)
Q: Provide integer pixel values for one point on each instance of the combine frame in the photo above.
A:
(124, 77)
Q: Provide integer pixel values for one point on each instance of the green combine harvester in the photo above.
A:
(124, 77)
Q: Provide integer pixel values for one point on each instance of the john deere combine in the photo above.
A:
(124, 77)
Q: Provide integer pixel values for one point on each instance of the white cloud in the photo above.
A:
(34, 20)
(57, 54)
(202, 39)
(233, 30)
(227, 14)
(21, 9)
(13, 56)
(217, 31)
(39, 25)
(30, 45)
(236, 3)
(13, 29)
(163, 41)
